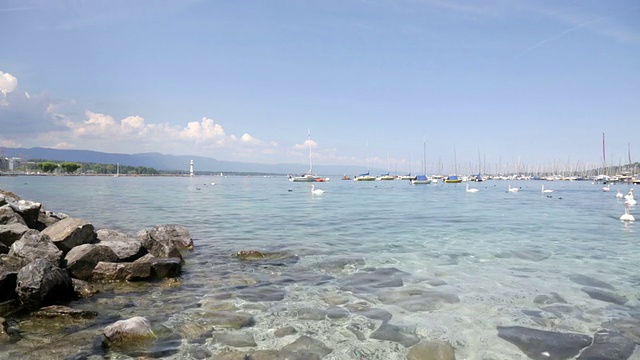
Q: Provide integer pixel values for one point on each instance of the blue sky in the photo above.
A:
(505, 82)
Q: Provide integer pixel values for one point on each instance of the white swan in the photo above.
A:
(315, 191)
(631, 201)
(619, 194)
(471, 190)
(546, 190)
(626, 216)
(512, 189)
(606, 188)
(629, 195)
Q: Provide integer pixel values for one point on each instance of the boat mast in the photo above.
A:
(310, 163)
(604, 156)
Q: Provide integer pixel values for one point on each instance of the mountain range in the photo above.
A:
(168, 162)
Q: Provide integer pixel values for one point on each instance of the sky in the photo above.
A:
(374, 82)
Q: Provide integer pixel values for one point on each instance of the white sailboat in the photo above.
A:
(308, 176)
(365, 176)
(117, 170)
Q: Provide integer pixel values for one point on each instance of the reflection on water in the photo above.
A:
(427, 262)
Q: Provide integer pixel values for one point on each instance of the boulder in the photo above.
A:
(608, 345)
(42, 283)
(172, 233)
(9, 216)
(36, 245)
(128, 248)
(48, 218)
(9, 268)
(29, 210)
(82, 259)
(162, 267)
(11, 233)
(167, 249)
(110, 271)
(69, 233)
(129, 332)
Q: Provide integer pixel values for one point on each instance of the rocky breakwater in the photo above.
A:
(48, 259)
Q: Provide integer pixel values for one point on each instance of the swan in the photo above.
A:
(315, 191)
(512, 189)
(629, 195)
(471, 190)
(626, 216)
(546, 190)
(606, 188)
(619, 194)
(631, 201)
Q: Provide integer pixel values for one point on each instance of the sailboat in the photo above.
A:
(365, 176)
(308, 176)
(422, 179)
(386, 176)
(117, 170)
(454, 179)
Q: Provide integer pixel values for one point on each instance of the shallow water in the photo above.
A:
(496, 251)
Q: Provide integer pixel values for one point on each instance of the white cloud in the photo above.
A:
(8, 83)
(9, 143)
(306, 145)
(204, 131)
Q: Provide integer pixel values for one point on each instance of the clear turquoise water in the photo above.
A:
(471, 241)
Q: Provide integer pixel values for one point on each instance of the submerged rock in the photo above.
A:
(128, 332)
(305, 347)
(59, 311)
(607, 296)
(279, 258)
(367, 280)
(608, 345)
(394, 333)
(432, 350)
(544, 345)
(261, 293)
(417, 299)
(589, 281)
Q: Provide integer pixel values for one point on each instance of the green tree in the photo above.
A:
(70, 167)
(47, 166)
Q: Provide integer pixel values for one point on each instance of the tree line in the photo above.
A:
(69, 167)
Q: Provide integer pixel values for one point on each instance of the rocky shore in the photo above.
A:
(48, 260)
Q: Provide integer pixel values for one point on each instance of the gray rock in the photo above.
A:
(9, 216)
(128, 248)
(28, 210)
(157, 248)
(526, 254)
(128, 332)
(607, 296)
(162, 267)
(42, 283)
(82, 259)
(376, 314)
(110, 271)
(69, 233)
(11, 233)
(48, 218)
(35, 245)
(228, 319)
(608, 345)
(311, 314)
(394, 333)
(589, 281)
(9, 268)
(544, 345)
(175, 234)
(337, 313)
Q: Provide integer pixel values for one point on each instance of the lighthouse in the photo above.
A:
(191, 168)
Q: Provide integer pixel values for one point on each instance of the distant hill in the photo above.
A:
(167, 162)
